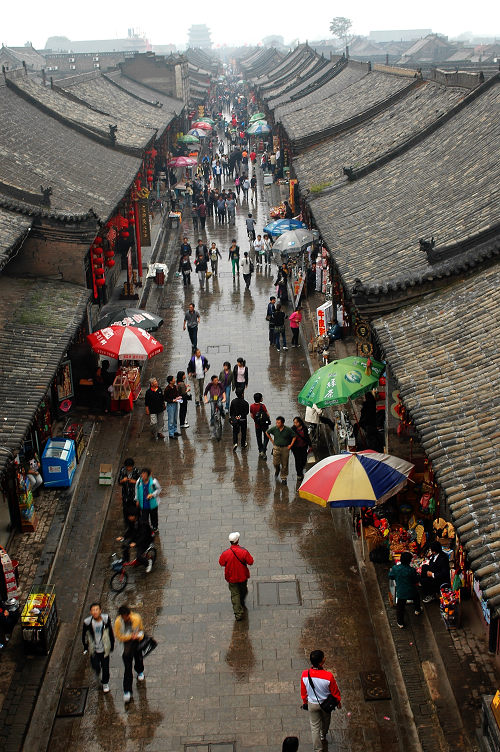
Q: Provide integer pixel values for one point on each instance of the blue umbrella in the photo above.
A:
(283, 225)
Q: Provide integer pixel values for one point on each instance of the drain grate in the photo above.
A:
(283, 593)
(72, 702)
(210, 747)
(374, 685)
(218, 348)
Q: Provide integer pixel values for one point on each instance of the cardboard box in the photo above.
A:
(105, 475)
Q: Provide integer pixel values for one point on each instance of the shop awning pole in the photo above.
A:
(362, 538)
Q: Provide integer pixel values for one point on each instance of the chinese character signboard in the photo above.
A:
(143, 216)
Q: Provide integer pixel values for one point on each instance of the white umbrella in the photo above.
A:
(293, 241)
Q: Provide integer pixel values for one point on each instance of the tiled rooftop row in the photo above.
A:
(445, 355)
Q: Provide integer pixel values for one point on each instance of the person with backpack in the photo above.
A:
(238, 411)
(98, 641)
(262, 421)
(301, 446)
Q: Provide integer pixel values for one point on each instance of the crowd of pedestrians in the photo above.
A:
(224, 389)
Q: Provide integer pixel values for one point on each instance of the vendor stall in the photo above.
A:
(39, 619)
(126, 388)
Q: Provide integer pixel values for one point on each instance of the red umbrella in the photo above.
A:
(124, 343)
(201, 124)
(183, 162)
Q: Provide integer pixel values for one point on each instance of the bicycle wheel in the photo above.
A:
(217, 426)
(151, 554)
(118, 582)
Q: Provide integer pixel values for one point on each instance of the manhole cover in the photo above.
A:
(278, 593)
(72, 702)
(210, 747)
(374, 685)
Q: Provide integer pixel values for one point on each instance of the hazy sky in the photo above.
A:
(94, 19)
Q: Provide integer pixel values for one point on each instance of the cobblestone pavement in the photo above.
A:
(212, 679)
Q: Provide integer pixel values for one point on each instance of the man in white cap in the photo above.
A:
(236, 561)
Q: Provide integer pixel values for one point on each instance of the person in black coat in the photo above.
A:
(138, 535)
(238, 412)
(436, 573)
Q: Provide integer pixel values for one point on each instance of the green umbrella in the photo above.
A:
(205, 120)
(188, 139)
(258, 116)
(340, 381)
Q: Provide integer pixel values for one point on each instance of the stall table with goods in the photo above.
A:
(39, 619)
(126, 388)
(74, 431)
(449, 606)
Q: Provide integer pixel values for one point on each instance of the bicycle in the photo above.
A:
(119, 579)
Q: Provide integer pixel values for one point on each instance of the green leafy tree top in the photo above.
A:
(340, 28)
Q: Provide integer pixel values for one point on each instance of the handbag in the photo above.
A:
(329, 704)
(147, 645)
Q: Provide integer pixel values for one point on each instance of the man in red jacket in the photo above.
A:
(236, 561)
(316, 685)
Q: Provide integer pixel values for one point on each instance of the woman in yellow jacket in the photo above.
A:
(130, 631)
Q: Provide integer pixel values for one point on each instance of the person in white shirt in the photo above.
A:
(258, 246)
(197, 368)
(268, 252)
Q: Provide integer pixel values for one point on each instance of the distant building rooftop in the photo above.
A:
(398, 35)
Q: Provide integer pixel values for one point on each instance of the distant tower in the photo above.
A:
(199, 36)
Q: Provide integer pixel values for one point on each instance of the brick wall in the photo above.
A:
(55, 250)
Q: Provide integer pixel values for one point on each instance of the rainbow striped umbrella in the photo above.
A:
(358, 479)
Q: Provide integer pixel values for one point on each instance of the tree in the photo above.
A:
(340, 28)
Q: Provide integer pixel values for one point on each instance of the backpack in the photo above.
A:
(261, 418)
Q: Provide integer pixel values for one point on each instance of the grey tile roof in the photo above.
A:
(78, 114)
(357, 147)
(170, 105)
(38, 319)
(343, 105)
(445, 355)
(303, 67)
(278, 70)
(446, 186)
(350, 74)
(201, 59)
(256, 63)
(39, 150)
(110, 96)
(323, 67)
(13, 228)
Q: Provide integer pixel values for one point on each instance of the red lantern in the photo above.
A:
(100, 282)
(99, 272)
(98, 240)
(109, 254)
(110, 262)
(125, 234)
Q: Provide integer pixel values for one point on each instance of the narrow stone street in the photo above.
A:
(213, 680)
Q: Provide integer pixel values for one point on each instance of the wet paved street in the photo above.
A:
(213, 679)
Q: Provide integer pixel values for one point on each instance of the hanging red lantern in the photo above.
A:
(109, 254)
(98, 240)
(99, 272)
(100, 282)
(110, 262)
(125, 234)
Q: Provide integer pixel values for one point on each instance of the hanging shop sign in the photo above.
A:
(143, 217)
